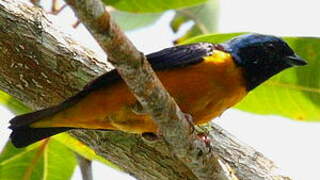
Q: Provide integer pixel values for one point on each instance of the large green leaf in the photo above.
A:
(130, 21)
(213, 38)
(150, 6)
(204, 17)
(293, 93)
(47, 160)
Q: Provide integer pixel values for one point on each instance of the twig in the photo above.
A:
(85, 167)
(54, 6)
(76, 24)
(55, 10)
(35, 2)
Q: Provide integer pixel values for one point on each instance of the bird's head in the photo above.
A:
(261, 56)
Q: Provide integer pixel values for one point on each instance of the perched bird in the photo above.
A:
(205, 79)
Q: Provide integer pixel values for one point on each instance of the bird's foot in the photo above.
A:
(203, 133)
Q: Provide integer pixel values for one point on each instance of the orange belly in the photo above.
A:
(203, 90)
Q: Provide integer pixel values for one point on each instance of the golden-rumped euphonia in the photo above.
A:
(205, 79)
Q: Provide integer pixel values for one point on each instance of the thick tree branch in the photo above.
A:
(31, 45)
(41, 66)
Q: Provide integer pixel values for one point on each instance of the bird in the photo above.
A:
(204, 78)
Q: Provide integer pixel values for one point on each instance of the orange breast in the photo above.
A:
(203, 90)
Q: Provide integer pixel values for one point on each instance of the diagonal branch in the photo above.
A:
(142, 81)
(85, 167)
(41, 66)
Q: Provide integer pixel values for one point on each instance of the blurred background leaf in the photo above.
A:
(47, 160)
(130, 21)
(204, 18)
(81, 149)
(14, 105)
(151, 6)
(294, 93)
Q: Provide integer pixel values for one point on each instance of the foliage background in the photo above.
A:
(291, 144)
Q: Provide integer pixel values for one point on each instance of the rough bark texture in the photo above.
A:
(49, 65)
(41, 66)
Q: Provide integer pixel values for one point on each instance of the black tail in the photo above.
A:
(24, 135)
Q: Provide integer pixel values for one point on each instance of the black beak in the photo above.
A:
(295, 60)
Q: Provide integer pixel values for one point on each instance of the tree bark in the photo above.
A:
(85, 167)
(41, 66)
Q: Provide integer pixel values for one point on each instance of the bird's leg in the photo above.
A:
(205, 139)
(203, 134)
(201, 131)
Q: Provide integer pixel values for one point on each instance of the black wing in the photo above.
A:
(169, 58)
(179, 56)
(173, 57)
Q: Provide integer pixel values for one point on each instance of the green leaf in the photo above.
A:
(192, 32)
(14, 105)
(80, 148)
(293, 93)
(213, 38)
(204, 16)
(130, 21)
(151, 6)
(46, 160)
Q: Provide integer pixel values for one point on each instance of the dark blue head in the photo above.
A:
(261, 56)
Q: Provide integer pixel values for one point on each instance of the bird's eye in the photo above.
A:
(270, 47)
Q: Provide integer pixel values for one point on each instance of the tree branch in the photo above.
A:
(85, 167)
(41, 66)
(147, 88)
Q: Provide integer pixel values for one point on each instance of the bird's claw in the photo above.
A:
(203, 133)
(205, 139)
